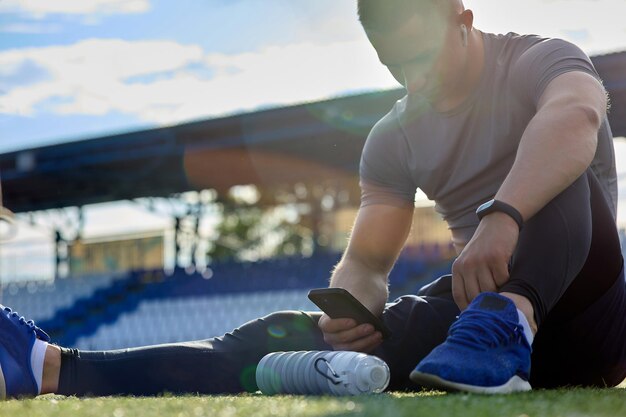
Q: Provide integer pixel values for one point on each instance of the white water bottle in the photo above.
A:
(321, 373)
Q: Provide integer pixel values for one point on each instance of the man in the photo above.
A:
(515, 120)
(518, 118)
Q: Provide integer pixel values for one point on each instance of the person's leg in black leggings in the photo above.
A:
(583, 338)
(554, 247)
(219, 365)
(227, 364)
(568, 258)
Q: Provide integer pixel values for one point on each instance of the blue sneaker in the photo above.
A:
(485, 352)
(17, 337)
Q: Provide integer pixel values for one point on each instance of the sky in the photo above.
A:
(77, 69)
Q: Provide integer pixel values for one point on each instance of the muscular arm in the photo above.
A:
(379, 234)
(559, 143)
(556, 148)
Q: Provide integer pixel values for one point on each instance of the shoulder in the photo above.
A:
(387, 130)
(541, 60)
(384, 156)
(541, 54)
(517, 50)
(550, 49)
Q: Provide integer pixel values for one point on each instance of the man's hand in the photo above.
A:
(483, 265)
(346, 334)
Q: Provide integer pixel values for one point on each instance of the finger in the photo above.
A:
(472, 288)
(328, 325)
(458, 290)
(364, 344)
(486, 281)
(500, 274)
(349, 336)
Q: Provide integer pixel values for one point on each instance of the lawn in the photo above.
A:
(575, 402)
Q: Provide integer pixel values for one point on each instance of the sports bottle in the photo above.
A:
(321, 373)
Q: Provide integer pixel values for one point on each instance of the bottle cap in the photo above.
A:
(372, 377)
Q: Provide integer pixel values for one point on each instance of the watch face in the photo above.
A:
(485, 206)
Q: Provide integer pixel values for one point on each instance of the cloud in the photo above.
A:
(41, 8)
(159, 82)
(30, 28)
(89, 75)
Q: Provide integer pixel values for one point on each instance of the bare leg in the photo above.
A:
(51, 370)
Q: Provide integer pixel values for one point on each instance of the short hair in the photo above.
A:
(385, 15)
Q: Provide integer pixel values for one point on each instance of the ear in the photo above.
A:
(467, 18)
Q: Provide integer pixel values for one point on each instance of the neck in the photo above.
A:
(470, 75)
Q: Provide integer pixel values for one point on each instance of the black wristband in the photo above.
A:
(497, 205)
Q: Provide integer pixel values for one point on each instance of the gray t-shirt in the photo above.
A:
(460, 158)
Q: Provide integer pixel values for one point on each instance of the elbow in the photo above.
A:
(589, 115)
(590, 118)
(583, 121)
(582, 110)
(591, 110)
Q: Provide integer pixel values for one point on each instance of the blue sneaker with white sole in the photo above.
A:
(486, 351)
(17, 337)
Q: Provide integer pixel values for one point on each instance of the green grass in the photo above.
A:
(575, 402)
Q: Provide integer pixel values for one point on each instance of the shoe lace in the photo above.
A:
(481, 329)
(30, 324)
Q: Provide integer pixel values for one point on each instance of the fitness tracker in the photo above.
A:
(496, 205)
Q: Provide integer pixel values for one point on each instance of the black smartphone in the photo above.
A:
(338, 303)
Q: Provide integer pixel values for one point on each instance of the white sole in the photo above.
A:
(515, 384)
(3, 387)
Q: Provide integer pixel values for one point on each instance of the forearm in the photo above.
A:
(556, 148)
(377, 238)
(367, 283)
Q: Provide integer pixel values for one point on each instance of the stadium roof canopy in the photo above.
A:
(310, 142)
